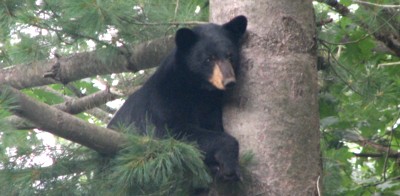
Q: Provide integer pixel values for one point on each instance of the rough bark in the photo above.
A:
(57, 122)
(83, 65)
(274, 109)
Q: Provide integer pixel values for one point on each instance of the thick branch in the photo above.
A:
(72, 106)
(59, 123)
(83, 65)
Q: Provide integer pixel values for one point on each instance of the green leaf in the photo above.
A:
(346, 2)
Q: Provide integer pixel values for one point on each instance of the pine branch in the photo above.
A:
(166, 166)
(55, 170)
(389, 39)
(59, 123)
(83, 65)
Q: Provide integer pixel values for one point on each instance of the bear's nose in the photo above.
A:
(229, 82)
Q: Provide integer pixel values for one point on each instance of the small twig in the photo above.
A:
(348, 42)
(380, 182)
(103, 82)
(379, 147)
(337, 74)
(75, 90)
(72, 34)
(324, 22)
(390, 145)
(135, 22)
(176, 8)
(387, 156)
(170, 23)
(343, 10)
(318, 191)
(377, 5)
(55, 71)
(376, 155)
(388, 64)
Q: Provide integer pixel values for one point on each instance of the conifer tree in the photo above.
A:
(72, 47)
(62, 61)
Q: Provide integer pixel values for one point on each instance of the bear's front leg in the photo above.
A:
(221, 152)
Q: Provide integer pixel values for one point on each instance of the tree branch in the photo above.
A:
(388, 38)
(379, 147)
(83, 65)
(338, 7)
(71, 106)
(377, 5)
(76, 106)
(57, 122)
(389, 64)
(377, 155)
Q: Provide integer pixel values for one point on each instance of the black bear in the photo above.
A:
(184, 97)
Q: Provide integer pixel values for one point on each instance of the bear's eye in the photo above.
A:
(229, 56)
(210, 58)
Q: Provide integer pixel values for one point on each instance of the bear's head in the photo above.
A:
(210, 53)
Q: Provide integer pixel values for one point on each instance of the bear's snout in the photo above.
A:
(223, 76)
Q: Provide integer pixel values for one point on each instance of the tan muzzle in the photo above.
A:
(223, 76)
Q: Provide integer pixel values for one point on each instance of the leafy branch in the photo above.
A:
(388, 38)
(331, 56)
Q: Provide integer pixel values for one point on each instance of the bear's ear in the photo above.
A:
(237, 26)
(185, 38)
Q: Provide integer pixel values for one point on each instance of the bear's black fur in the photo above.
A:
(184, 96)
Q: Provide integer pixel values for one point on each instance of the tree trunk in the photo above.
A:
(273, 111)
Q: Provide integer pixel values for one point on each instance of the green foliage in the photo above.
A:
(38, 27)
(35, 30)
(145, 167)
(158, 167)
(359, 101)
(6, 105)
